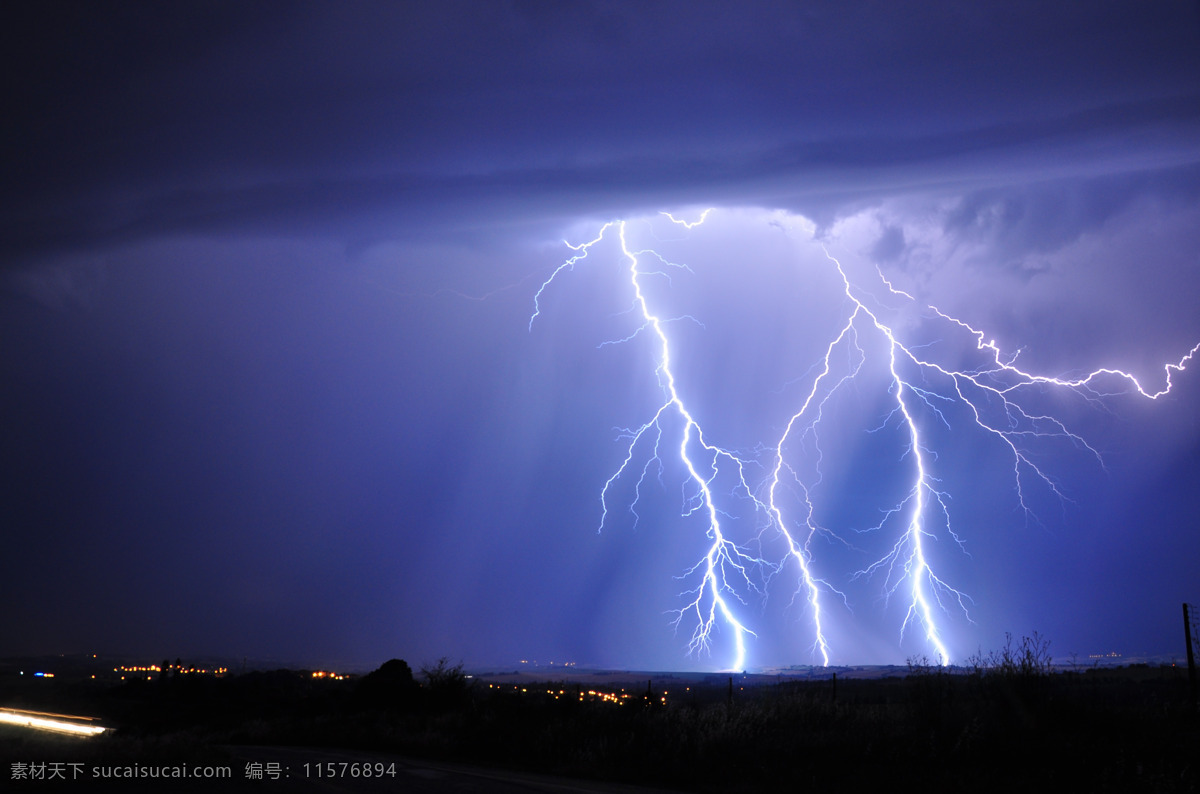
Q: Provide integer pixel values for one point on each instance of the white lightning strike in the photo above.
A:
(711, 596)
(920, 389)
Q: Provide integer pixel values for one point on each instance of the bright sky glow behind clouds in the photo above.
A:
(267, 274)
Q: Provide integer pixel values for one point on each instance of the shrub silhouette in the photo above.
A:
(1030, 659)
(446, 683)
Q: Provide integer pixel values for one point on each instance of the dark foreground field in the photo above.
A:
(1125, 729)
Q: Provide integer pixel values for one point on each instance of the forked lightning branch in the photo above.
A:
(998, 397)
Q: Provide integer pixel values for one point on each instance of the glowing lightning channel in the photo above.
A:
(989, 394)
(688, 224)
(908, 552)
(995, 383)
(710, 599)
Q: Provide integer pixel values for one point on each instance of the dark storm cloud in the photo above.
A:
(144, 119)
(799, 175)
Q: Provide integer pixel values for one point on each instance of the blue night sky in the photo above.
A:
(271, 387)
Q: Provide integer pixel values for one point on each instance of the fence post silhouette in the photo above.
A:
(1191, 654)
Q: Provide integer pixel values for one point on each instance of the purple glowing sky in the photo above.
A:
(267, 274)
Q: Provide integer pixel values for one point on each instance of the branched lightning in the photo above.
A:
(990, 394)
(710, 598)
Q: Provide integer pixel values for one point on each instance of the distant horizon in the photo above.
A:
(1063, 661)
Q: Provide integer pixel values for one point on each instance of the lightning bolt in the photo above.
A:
(714, 596)
(991, 393)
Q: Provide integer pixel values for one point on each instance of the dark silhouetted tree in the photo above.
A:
(446, 683)
(391, 686)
